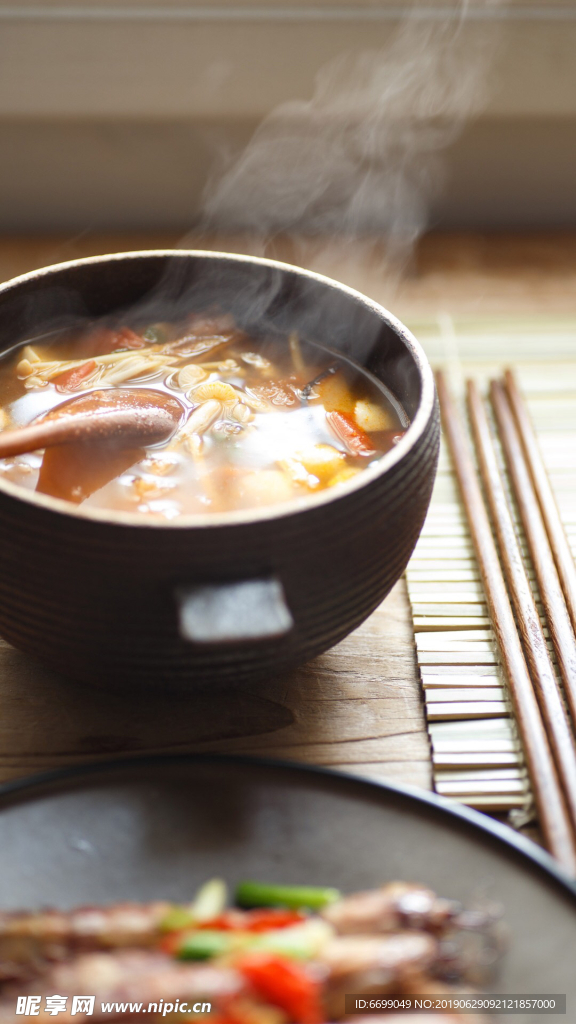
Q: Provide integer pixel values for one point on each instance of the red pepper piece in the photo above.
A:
(258, 920)
(346, 430)
(127, 338)
(228, 921)
(255, 921)
(284, 983)
(170, 944)
(100, 341)
(72, 379)
(275, 917)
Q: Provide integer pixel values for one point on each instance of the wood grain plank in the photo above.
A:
(358, 703)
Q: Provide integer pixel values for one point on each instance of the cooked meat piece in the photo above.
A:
(28, 941)
(397, 905)
(389, 955)
(126, 976)
(373, 964)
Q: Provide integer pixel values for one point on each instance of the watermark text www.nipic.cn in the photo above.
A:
(31, 1006)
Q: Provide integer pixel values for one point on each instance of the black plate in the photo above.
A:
(159, 827)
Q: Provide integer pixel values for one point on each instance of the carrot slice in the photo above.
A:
(74, 378)
(346, 430)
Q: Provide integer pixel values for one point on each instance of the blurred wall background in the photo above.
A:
(115, 115)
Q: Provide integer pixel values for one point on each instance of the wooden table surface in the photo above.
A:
(358, 707)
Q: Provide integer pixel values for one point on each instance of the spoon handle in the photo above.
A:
(128, 426)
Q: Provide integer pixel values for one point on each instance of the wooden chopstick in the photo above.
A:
(548, 795)
(556, 534)
(559, 623)
(531, 634)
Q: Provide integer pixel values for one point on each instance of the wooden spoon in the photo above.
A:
(122, 417)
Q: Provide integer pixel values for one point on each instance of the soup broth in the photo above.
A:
(264, 419)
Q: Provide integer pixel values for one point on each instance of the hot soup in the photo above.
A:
(264, 419)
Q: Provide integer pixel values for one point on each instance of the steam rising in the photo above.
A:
(359, 160)
(361, 157)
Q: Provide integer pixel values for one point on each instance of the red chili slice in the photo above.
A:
(127, 338)
(284, 983)
(266, 920)
(170, 944)
(355, 439)
(100, 341)
(255, 921)
(259, 920)
(228, 921)
(72, 379)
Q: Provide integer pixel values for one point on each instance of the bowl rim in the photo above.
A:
(502, 836)
(267, 512)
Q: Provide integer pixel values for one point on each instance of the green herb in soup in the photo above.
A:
(263, 419)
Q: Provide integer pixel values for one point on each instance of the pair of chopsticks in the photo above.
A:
(544, 723)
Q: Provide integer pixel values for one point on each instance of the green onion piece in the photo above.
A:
(176, 919)
(210, 900)
(156, 334)
(295, 897)
(203, 945)
(300, 941)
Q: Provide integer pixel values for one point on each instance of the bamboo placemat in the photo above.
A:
(477, 756)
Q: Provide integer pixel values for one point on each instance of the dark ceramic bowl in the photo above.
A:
(109, 596)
